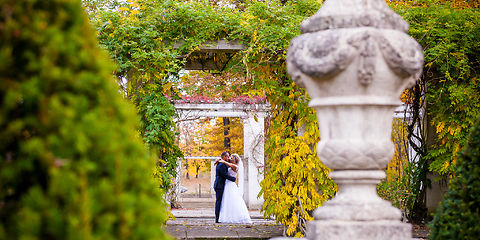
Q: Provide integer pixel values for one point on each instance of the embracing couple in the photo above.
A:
(229, 205)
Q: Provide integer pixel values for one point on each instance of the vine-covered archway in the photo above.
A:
(253, 116)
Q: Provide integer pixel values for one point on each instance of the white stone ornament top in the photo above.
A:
(383, 61)
(353, 14)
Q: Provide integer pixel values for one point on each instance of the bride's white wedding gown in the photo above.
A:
(233, 208)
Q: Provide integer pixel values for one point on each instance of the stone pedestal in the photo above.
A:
(358, 230)
(354, 58)
(357, 198)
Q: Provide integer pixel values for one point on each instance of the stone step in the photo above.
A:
(200, 224)
(196, 203)
(209, 213)
(208, 229)
(206, 199)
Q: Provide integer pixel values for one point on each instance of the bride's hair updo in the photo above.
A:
(235, 158)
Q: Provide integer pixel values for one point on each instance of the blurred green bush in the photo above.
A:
(72, 165)
(458, 216)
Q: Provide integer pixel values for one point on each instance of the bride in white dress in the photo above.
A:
(233, 209)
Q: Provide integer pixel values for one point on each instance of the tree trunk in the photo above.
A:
(226, 138)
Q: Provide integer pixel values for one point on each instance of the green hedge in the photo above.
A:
(458, 216)
(71, 163)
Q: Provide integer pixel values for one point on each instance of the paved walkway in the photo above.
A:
(200, 224)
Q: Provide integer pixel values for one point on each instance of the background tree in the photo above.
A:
(215, 137)
(188, 143)
(71, 163)
(192, 141)
(204, 137)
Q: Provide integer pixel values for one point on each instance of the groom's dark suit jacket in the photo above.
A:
(221, 174)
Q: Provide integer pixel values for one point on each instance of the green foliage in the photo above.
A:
(450, 39)
(396, 191)
(157, 112)
(404, 193)
(296, 182)
(459, 213)
(71, 163)
(448, 89)
(146, 69)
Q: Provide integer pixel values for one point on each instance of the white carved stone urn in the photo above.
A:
(355, 58)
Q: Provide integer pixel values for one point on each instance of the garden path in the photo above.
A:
(197, 221)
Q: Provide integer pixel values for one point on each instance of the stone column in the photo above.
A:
(253, 147)
(212, 175)
(354, 58)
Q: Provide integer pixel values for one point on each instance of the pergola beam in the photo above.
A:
(208, 50)
(217, 46)
(241, 110)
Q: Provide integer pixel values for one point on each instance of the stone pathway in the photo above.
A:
(200, 224)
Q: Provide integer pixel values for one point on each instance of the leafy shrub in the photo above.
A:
(459, 214)
(396, 191)
(71, 163)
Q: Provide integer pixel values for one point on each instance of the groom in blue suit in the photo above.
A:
(221, 175)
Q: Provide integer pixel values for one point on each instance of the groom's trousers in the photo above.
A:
(218, 202)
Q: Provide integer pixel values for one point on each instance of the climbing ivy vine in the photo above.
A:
(445, 102)
(448, 31)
